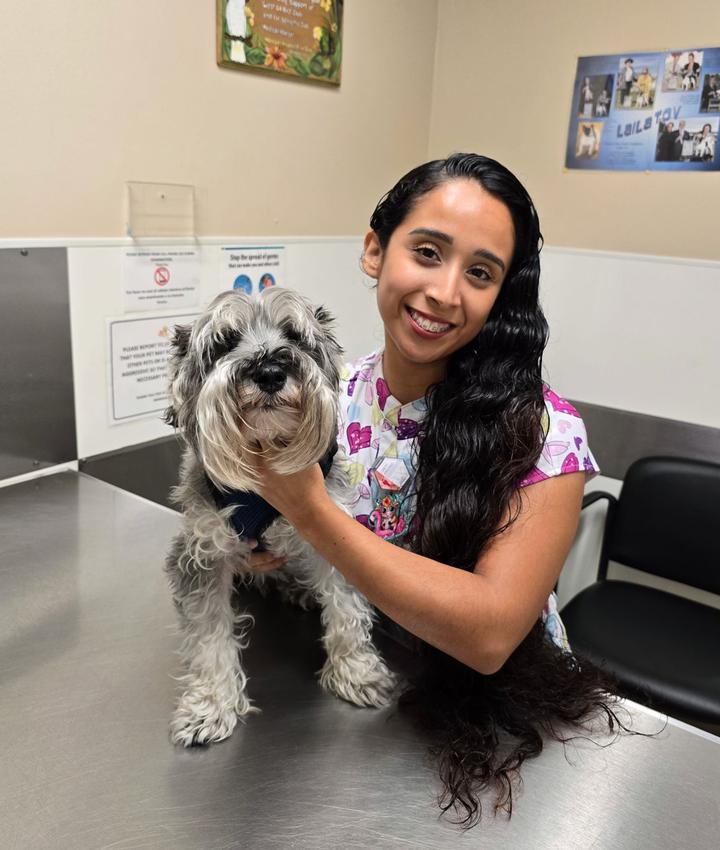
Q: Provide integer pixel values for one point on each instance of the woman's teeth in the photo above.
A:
(428, 324)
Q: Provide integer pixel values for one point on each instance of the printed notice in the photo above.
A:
(252, 268)
(139, 353)
(159, 279)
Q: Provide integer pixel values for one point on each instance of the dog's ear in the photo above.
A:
(179, 345)
(322, 315)
(180, 341)
(170, 417)
(327, 323)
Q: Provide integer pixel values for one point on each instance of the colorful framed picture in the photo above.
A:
(297, 38)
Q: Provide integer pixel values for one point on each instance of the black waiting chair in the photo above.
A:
(663, 649)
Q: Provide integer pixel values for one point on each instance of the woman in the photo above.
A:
(603, 104)
(587, 97)
(464, 458)
(645, 84)
(704, 145)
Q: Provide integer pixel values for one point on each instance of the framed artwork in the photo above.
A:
(296, 38)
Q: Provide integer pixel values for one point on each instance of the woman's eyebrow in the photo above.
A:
(493, 258)
(445, 237)
(434, 234)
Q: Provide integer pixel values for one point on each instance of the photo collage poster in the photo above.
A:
(646, 111)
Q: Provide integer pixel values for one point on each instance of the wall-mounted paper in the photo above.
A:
(252, 268)
(139, 353)
(646, 112)
(160, 278)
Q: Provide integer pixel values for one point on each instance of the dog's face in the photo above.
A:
(256, 374)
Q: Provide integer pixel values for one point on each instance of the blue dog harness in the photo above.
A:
(252, 515)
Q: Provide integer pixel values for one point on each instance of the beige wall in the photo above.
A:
(96, 93)
(503, 86)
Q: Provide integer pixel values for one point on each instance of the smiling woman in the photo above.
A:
(468, 474)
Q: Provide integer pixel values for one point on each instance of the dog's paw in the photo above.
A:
(202, 717)
(362, 679)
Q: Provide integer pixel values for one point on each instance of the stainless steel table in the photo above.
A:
(86, 657)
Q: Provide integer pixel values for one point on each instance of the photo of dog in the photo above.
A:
(587, 140)
(256, 375)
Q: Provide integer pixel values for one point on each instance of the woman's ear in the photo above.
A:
(372, 255)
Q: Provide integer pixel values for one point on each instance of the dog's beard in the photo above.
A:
(239, 424)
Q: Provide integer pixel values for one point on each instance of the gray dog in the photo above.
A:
(256, 375)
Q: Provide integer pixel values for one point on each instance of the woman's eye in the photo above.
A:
(427, 252)
(480, 274)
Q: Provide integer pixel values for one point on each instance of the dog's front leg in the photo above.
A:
(213, 635)
(354, 670)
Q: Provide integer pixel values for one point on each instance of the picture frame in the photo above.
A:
(294, 38)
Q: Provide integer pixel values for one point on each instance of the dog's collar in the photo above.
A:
(252, 515)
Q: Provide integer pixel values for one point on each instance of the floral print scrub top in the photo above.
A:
(378, 435)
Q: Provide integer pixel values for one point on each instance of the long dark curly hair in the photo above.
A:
(481, 436)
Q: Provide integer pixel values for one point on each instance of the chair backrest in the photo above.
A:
(667, 521)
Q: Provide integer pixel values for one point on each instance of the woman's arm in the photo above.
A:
(477, 617)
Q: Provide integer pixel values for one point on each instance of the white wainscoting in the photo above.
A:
(635, 332)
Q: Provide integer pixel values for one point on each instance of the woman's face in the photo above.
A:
(441, 271)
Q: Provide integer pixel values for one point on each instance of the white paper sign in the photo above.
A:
(159, 278)
(252, 268)
(139, 353)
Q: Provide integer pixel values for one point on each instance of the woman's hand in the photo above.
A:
(264, 562)
(295, 496)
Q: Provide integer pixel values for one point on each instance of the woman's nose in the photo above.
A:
(444, 288)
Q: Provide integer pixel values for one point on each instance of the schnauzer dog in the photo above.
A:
(256, 375)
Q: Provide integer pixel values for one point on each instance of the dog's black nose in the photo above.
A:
(269, 377)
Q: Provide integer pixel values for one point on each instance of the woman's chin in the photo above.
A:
(420, 352)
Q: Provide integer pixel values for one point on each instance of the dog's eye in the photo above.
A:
(293, 335)
(225, 342)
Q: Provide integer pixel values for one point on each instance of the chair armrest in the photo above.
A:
(591, 498)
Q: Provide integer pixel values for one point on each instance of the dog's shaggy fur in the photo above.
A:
(256, 375)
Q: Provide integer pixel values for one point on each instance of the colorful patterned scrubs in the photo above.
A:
(378, 434)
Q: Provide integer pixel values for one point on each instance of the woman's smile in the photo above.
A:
(427, 326)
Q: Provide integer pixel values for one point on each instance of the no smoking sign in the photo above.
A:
(162, 275)
(157, 278)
